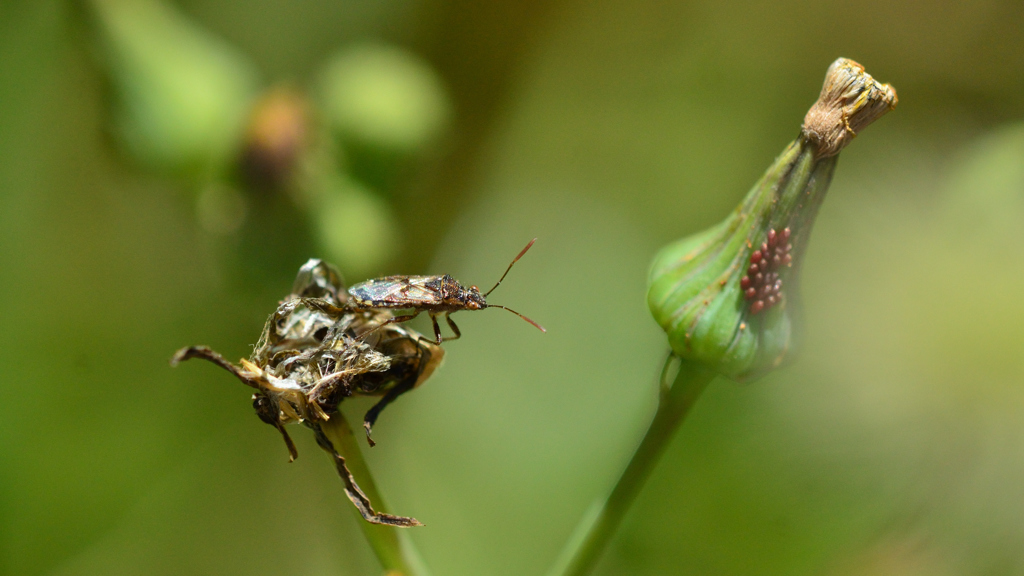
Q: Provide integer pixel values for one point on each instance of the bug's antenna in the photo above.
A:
(538, 326)
(516, 259)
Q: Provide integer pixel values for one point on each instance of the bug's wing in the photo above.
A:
(396, 291)
(317, 279)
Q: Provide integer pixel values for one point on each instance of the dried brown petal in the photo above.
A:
(850, 100)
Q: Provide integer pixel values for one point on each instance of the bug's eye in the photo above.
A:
(474, 289)
(320, 334)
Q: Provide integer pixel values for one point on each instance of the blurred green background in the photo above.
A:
(894, 446)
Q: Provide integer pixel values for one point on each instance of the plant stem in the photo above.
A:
(392, 545)
(597, 527)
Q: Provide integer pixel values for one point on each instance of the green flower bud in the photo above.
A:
(383, 105)
(727, 296)
(181, 95)
(356, 227)
(383, 97)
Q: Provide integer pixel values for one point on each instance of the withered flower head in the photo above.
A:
(308, 360)
(850, 100)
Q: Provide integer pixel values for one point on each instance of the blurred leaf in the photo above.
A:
(985, 192)
(385, 96)
(355, 226)
(220, 208)
(181, 93)
(605, 129)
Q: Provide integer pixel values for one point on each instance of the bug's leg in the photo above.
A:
(392, 320)
(268, 412)
(437, 329)
(373, 413)
(423, 357)
(405, 318)
(356, 495)
(324, 306)
(455, 329)
(293, 453)
(209, 355)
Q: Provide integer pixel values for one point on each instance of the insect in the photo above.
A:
(412, 358)
(307, 362)
(435, 295)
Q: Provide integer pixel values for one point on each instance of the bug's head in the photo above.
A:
(474, 300)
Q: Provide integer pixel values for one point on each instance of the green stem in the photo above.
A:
(392, 545)
(591, 537)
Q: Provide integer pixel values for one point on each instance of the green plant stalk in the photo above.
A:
(391, 545)
(591, 537)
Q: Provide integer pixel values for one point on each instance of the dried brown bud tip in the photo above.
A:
(276, 137)
(850, 100)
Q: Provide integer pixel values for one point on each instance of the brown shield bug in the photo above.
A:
(435, 295)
